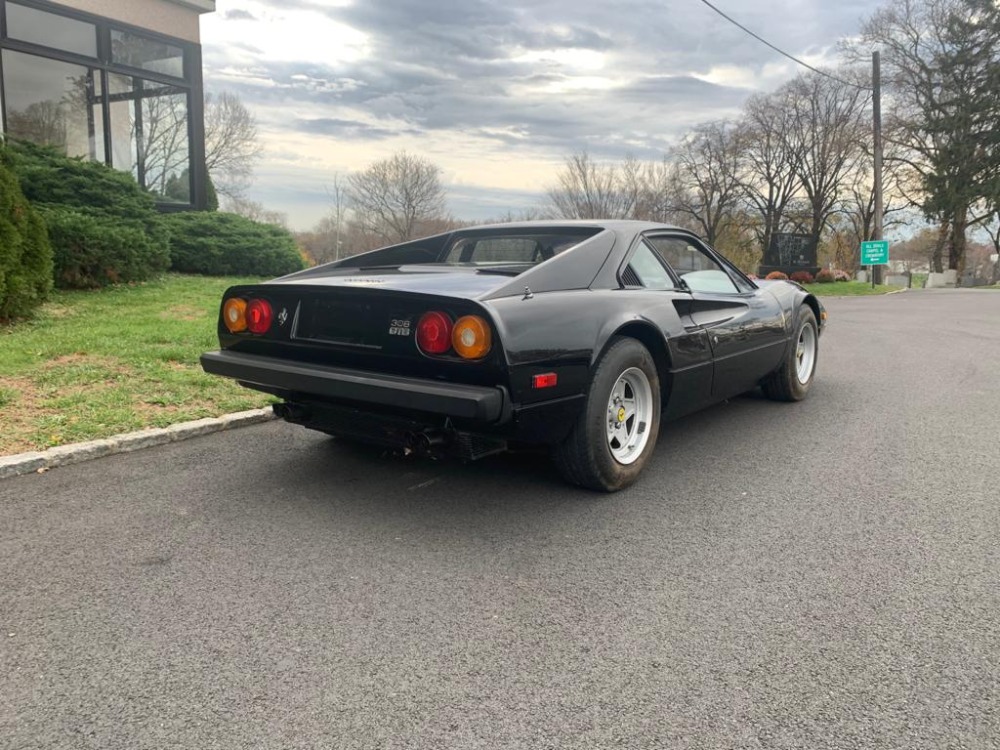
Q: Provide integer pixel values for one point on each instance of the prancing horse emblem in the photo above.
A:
(283, 316)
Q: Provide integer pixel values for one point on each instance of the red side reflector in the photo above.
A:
(545, 380)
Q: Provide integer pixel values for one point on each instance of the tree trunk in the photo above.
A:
(956, 253)
(936, 256)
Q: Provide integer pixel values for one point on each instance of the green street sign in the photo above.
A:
(875, 252)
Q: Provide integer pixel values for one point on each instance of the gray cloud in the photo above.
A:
(347, 129)
(478, 68)
(238, 14)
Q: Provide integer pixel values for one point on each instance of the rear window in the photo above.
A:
(510, 250)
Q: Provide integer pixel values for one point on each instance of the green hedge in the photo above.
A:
(25, 253)
(90, 251)
(224, 244)
(102, 226)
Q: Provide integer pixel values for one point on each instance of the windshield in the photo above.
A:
(509, 250)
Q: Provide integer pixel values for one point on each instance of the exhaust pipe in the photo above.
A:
(291, 412)
(424, 443)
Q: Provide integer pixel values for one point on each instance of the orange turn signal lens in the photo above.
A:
(234, 314)
(471, 338)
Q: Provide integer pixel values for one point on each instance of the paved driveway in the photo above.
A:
(819, 575)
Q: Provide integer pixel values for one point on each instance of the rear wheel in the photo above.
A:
(791, 381)
(614, 437)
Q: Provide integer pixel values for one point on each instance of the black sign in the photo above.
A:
(789, 253)
(793, 250)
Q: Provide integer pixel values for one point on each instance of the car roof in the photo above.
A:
(619, 225)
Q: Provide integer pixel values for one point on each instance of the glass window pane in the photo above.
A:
(124, 152)
(698, 270)
(165, 143)
(53, 103)
(97, 118)
(142, 52)
(149, 135)
(646, 269)
(51, 30)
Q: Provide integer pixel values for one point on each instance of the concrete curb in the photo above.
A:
(64, 455)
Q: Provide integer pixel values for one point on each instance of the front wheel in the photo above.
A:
(614, 437)
(791, 381)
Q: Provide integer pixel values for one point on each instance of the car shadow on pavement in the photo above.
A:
(370, 475)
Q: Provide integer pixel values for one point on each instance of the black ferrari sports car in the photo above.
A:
(578, 336)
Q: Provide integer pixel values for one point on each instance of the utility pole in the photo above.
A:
(877, 150)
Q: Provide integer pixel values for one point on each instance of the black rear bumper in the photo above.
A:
(481, 404)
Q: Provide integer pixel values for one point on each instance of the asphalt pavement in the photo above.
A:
(814, 575)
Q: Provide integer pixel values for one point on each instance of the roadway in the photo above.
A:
(814, 575)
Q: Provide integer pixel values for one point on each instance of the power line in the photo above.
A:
(782, 52)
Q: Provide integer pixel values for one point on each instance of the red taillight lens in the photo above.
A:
(259, 316)
(434, 333)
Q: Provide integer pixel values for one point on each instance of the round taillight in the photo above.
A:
(434, 333)
(259, 316)
(471, 337)
(234, 314)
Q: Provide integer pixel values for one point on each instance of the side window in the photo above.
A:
(645, 269)
(697, 269)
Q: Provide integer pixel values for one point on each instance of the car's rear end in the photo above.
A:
(399, 368)
(402, 347)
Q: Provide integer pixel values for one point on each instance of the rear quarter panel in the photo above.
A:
(567, 332)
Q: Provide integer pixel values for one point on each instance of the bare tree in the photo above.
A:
(255, 211)
(392, 197)
(768, 175)
(337, 192)
(654, 199)
(830, 123)
(941, 71)
(857, 204)
(586, 189)
(164, 155)
(232, 146)
(706, 177)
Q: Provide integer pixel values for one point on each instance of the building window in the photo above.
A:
(139, 51)
(51, 30)
(131, 107)
(53, 103)
(149, 127)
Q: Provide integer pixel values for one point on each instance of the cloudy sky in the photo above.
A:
(495, 92)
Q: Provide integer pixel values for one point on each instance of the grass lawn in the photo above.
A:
(848, 289)
(94, 364)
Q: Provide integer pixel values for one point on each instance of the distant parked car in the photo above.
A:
(577, 336)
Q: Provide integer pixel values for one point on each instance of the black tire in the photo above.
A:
(784, 384)
(585, 458)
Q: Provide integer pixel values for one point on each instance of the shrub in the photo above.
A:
(211, 196)
(224, 244)
(94, 211)
(90, 251)
(839, 275)
(825, 276)
(802, 277)
(25, 253)
(777, 275)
